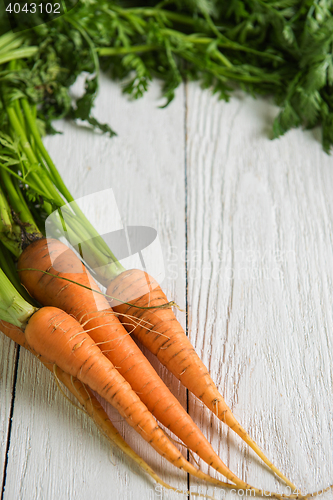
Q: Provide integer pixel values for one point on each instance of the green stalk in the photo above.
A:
(56, 177)
(154, 12)
(24, 125)
(9, 46)
(5, 215)
(9, 38)
(97, 253)
(12, 245)
(119, 51)
(20, 116)
(190, 21)
(13, 308)
(5, 265)
(217, 70)
(9, 232)
(18, 54)
(44, 183)
(8, 266)
(18, 203)
(74, 228)
(105, 254)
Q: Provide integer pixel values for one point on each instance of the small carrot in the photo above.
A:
(160, 332)
(93, 407)
(93, 312)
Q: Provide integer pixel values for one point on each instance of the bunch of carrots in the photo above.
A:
(53, 305)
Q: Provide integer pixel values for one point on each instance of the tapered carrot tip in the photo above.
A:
(130, 294)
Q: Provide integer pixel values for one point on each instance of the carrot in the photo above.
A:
(92, 310)
(89, 402)
(93, 407)
(159, 331)
(59, 338)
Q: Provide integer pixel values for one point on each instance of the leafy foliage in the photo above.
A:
(282, 48)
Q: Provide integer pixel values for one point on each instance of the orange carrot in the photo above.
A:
(95, 315)
(159, 331)
(59, 338)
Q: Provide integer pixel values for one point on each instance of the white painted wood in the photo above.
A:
(260, 277)
(55, 451)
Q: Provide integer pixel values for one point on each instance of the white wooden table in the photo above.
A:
(254, 217)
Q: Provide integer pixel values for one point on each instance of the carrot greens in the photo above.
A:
(281, 49)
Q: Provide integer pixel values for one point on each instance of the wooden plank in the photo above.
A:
(260, 275)
(56, 453)
(7, 370)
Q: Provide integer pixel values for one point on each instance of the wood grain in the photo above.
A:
(259, 279)
(8, 355)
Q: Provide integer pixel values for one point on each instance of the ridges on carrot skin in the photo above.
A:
(95, 315)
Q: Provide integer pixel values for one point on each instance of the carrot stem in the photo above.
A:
(51, 184)
(46, 183)
(9, 232)
(18, 54)
(8, 266)
(56, 177)
(18, 203)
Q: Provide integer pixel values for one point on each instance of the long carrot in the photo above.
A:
(95, 315)
(158, 329)
(59, 338)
